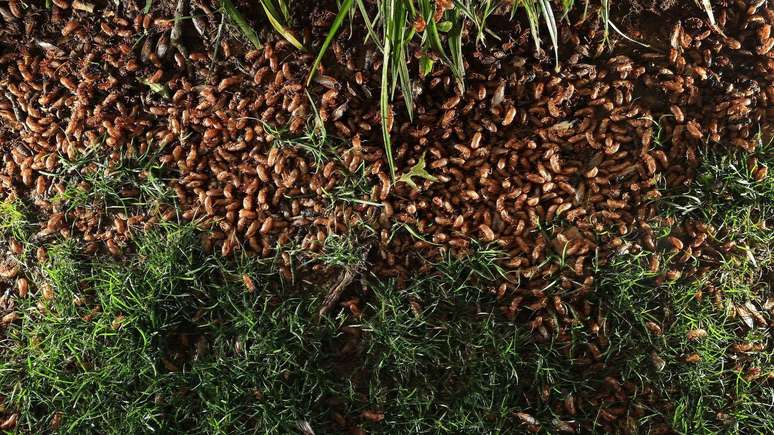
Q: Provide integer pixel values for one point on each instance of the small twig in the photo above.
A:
(217, 45)
(177, 31)
(20, 117)
(336, 291)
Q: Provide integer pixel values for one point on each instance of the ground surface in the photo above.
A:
(195, 240)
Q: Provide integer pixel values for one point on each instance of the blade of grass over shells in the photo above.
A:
(405, 85)
(627, 37)
(708, 9)
(433, 37)
(548, 15)
(147, 8)
(369, 24)
(707, 6)
(532, 17)
(239, 20)
(384, 96)
(478, 12)
(392, 25)
(343, 11)
(283, 6)
(610, 25)
(400, 72)
(271, 14)
(567, 7)
(455, 48)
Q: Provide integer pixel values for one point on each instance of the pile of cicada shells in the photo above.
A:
(543, 162)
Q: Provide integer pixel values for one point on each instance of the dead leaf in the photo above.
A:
(526, 418)
(657, 361)
(9, 422)
(305, 427)
(745, 314)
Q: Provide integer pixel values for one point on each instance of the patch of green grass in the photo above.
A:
(343, 251)
(415, 349)
(258, 367)
(710, 388)
(353, 188)
(167, 341)
(134, 179)
(314, 140)
(13, 222)
(723, 179)
(678, 338)
(434, 362)
(68, 357)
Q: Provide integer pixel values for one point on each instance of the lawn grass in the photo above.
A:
(13, 222)
(169, 340)
(726, 390)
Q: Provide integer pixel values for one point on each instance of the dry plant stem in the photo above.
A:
(335, 293)
(177, 31)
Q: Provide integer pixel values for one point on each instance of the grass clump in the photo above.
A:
(127, 179)
(694, 341)
(13, 221)
(72, 363)
(439, 356)
(167, 341)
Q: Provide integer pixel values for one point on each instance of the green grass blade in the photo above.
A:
(328, 39)
(369, 24)
(238, 19)
(567, 6)
(384, 97)
(433, 37)
(711, 15)
(405, 85)
(609, 24)
(455, 47)
(478, 15)
(399, 67)
(614, 27)
(548, 15)
(533, 19)
(284, 9)
(271, 14)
